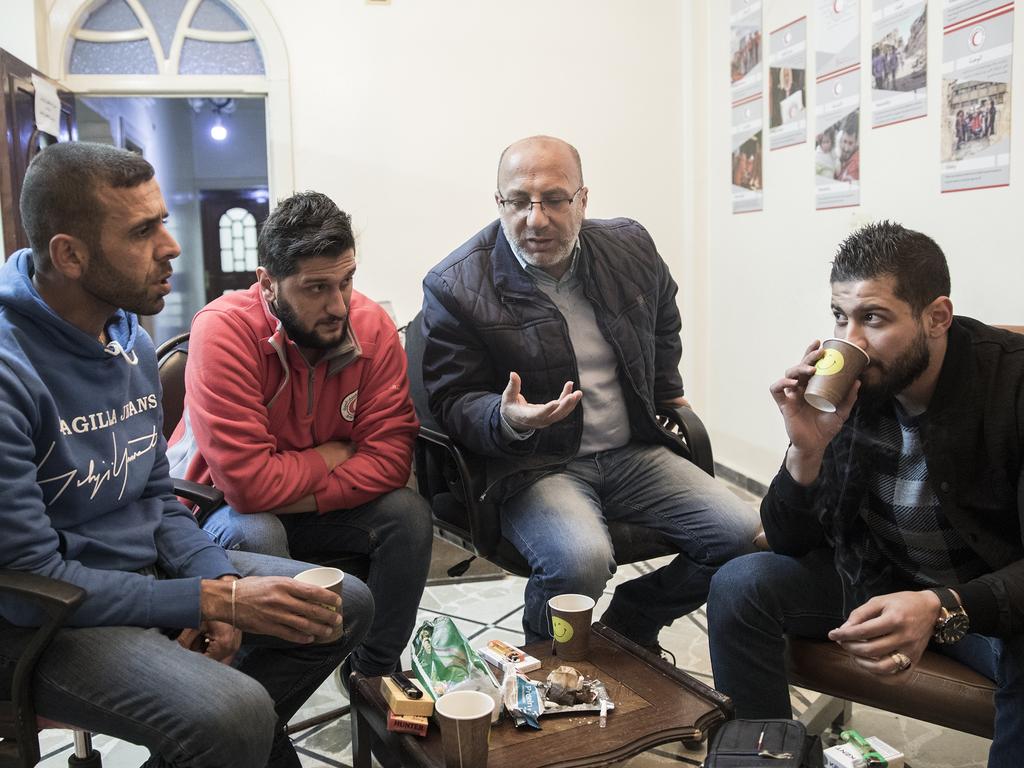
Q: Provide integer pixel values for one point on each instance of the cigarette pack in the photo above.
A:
(848, 756)
(499, 653)
(413, 724)
(401, 704)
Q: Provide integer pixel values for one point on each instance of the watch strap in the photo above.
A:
(947, 599)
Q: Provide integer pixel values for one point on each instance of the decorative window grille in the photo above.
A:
(163, 37)
(237, 241)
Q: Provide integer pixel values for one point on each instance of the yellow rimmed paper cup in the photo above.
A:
(328, 578)
(834, 374)
(571, 616)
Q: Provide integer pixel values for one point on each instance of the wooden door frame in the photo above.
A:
(16, 75)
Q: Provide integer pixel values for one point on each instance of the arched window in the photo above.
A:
(163, 37)
(237, 241)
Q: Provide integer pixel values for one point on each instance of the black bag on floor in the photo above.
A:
(764, 744)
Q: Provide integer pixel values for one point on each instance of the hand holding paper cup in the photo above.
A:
(570, 625)
(465, 720)
(328, 578)
(834, 374)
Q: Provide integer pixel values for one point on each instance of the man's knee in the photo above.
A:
(357, 610)
(583, 567)
(410, 514)
(262, 533)
(740, 581)
(234, 729)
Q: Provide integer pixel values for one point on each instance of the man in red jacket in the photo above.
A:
(297, 407)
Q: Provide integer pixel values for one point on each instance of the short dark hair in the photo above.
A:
(913, 259)
(304, 225)
(59, 194)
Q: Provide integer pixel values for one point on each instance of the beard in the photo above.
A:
(901, 374)
(103, 281)
(309, 339)
(560, 254)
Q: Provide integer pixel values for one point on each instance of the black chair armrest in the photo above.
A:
(685, 425)
(482, 517)
(205, 497)
(58, 600)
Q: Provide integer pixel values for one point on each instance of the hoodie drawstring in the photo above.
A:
(114, 349)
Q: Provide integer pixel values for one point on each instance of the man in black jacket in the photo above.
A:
(550, 342)
(895, 522)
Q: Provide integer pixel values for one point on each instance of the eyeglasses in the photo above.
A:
(519, 206)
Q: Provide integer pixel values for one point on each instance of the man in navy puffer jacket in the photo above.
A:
(550, 342)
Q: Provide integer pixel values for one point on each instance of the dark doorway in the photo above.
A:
(231, 219)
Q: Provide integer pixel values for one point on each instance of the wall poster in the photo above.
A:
(787, 85)
(837, 108)
(977, 50)
(899, 61)
(747, 77)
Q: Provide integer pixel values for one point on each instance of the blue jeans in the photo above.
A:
(395, 531)
(559, 525)
(757, 599)
(139, 685)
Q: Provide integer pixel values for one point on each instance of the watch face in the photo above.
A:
(953, 628)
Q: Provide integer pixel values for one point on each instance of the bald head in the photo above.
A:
(540, 150)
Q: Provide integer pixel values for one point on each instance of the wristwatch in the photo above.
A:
(952, 624)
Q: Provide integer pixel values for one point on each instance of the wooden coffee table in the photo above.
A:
(655, 703)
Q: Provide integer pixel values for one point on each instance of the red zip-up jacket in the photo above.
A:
(255, 410)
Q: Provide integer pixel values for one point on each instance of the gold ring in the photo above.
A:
(901, 660)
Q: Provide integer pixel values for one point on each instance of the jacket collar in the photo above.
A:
(953, 389)
(511, 276)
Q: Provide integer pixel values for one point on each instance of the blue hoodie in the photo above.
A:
(86, 494)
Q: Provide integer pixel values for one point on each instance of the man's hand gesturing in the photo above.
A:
(524, 416)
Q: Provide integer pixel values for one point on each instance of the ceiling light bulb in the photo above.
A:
(217, 131)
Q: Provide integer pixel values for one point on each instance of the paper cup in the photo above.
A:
(571, 616)
(834, 374)
(328, 578)
(465, 720)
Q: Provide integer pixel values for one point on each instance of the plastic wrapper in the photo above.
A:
(565, 690)
(443, 661)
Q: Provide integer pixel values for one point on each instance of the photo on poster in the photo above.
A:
(977, 119)
(746, 164)
(747, 156)
(977, 58)
(746, 50)
(837, 150)
(746, 73)
(787, 85)
(899, 62)
(787, 96)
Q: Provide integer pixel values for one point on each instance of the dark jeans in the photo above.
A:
(395, 531)
(758, 598)
(139, 685)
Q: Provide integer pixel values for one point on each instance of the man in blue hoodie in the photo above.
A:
(154, 655)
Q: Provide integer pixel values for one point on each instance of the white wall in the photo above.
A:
(399, 113)
(766, 286)
(18, 29)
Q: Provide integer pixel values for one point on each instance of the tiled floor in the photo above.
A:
(493, 609)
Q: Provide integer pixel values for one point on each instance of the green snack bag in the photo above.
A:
(443, 661)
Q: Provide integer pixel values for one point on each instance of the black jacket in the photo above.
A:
(484, 317)
(973, 438)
